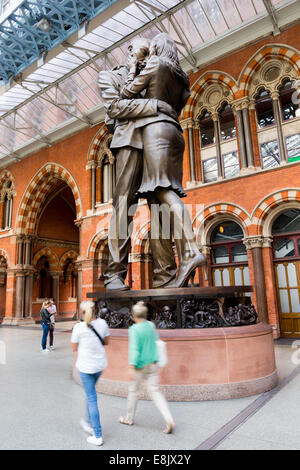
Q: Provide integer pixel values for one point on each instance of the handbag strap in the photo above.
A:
(97, 334)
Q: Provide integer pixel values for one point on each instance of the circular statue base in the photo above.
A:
(203, 364)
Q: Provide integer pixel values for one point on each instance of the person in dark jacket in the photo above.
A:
(45, 325)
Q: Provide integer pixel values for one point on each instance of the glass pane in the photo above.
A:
(238, 280)
(246, 276)
(227, 231)
(210, 170)
(227, 123)
(239, 253)
(288, 221)
(281, 275)
(270, 154)
(293, 147)
(284, 247)
(206, 129)
(217, 277)
(288, 105)
(284, 301)
(220, 255)
(105, 182)
(294, 293)
(292, 276)
(214, 15)
(264, 109)
(201, 21)
(231, 164)
(226, 277)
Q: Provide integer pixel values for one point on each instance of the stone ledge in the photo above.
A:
(200, 392)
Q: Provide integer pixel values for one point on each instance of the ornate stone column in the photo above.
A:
(55, 288)
(255, 245)
(28, 284)
(20, 249)
(2, 222)
(277, 114)
(91, 167)
(215, 118)
(247, 131)
(241, 136)
(190, 126)
(20, 278)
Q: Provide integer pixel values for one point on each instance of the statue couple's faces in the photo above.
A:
(138, 50)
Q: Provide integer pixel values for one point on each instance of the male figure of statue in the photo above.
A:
(124, 119)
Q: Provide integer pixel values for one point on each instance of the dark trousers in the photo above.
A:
(51, 335)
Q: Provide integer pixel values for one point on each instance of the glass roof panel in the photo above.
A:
(195, 22)
(201, 20)
(215, 16)
(246, 9)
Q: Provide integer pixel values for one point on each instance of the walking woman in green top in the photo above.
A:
(143, 358)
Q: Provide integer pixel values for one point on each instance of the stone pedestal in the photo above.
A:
(206, 364)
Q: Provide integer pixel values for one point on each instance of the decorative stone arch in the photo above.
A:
(6, 177)
(52, 257)
(253, 76)
(139, 242)
(36, 193)
(100, 147)
(97, 244)
(213, 88)
(71, 254)
(210, 216)
(4, 254)
(268, 208)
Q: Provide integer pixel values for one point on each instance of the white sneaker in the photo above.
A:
(52, 348)
(45, 350)
(96, 441)
(86, 427)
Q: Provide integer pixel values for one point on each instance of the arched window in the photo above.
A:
(288, 106)
(227, 122)
(220, 157)
(229, 258)
(7, 205)
(206, 126)
(286, 256)
(264, 109)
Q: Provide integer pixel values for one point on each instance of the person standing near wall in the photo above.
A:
(45, 315)
(88, 340)
(143, 358)
(52, 310)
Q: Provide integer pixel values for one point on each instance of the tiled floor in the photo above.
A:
(40, 406)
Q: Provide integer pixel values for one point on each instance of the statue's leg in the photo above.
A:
(189, 256)
(128, 178)
(165, 267)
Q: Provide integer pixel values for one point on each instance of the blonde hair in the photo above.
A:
(140, 310)
(87, 307)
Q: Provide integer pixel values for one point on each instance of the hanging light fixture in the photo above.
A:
(44, 25)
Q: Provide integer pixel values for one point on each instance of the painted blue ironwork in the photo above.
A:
(22, 42)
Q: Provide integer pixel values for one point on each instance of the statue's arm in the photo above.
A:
(117, 108)
(134, 85)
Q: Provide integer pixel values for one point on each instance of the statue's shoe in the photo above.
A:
(185, 270)
(116, 284)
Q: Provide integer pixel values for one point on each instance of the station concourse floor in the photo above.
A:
(41, 406)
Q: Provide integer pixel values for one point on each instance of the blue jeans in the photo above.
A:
(46, 329)
(92, 413)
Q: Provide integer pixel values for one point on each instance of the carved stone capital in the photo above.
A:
(92, 164)
(253, 242)
(275, 95)
(187, 123)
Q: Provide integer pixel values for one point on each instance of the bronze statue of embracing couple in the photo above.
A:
(143, 99)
